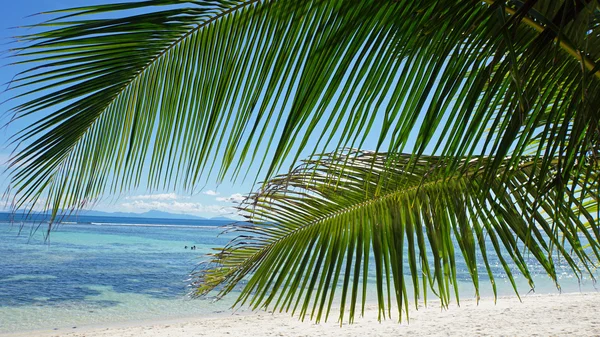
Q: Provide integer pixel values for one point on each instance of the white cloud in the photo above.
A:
(163, 196)
(176, 207)
(236, 197)
(211, 192)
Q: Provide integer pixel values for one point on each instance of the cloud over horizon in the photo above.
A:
(236, 197)
(173, 206)
(161, 196)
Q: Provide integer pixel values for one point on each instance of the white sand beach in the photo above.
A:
(574, 314)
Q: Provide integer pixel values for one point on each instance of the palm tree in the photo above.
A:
(485, 116)
(317, 226)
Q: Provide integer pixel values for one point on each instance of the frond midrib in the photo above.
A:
(152, 61)
(567, 47)
(176, 43)
(362, 204)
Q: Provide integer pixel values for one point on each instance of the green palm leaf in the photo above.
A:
(173, 90)
(315, 233)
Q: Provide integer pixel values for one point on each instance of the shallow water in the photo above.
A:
(87, 274)
(94, 274)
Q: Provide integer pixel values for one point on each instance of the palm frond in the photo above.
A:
(174, 90)
(314, 234)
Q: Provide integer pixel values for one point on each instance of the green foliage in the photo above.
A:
(167, 90)
(505, 93)
(313, 231)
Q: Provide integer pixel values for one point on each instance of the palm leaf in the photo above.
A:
(167, 91)
(314, 234)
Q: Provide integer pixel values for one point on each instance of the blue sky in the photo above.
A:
(210, 201)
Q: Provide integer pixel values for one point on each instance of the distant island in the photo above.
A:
(91, 215)
(152, 214)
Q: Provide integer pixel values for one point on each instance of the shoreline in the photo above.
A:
(545, 314)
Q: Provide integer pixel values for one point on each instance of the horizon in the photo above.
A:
(119, 214)
(207, 199)
(211, 200)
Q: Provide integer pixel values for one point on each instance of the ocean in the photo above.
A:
(99, 270)
(107, 270)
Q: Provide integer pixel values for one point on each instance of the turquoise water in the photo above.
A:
(93, 274)
(87, 274)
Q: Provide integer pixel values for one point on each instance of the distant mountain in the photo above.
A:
(152, 214)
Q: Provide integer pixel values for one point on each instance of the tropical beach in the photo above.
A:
(125, 279)
(271, 167)
(573, 314)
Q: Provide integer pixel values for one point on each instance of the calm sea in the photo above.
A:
(100, 270)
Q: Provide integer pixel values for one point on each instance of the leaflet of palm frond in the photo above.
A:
(315, 233)
(170, 91)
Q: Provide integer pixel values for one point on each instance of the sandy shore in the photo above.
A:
(537, 315)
